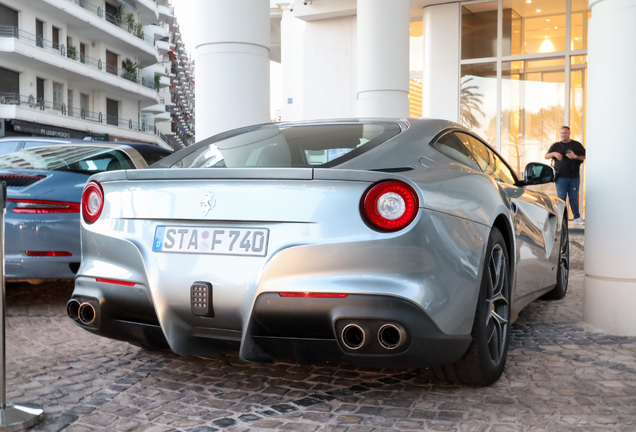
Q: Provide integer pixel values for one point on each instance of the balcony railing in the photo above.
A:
(100, 12)
(82, 114)
(72, 54)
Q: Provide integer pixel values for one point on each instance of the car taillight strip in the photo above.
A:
(47, 253)
(115, 281)
(313, 295)
(43, 206)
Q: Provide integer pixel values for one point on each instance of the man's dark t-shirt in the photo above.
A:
(568, 168)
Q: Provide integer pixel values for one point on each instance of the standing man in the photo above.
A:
(568, 156)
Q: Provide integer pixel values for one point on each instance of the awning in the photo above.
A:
(43, 130)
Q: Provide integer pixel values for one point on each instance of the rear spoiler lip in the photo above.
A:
(247, 174)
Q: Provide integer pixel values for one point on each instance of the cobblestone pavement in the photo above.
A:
(561, 376)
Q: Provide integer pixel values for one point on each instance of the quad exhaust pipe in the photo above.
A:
(390, 336)
(354, 336)
(85, 312)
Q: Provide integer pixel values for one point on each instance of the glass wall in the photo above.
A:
(523, 74)
(416, 61)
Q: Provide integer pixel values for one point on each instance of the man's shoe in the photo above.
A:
(579, 221)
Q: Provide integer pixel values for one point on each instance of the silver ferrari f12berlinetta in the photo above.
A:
(384, 243)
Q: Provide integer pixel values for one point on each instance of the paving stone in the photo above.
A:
(562, 375)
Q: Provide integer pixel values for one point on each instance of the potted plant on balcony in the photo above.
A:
(130, 20)
(71, 52)
(130, 69)
(157, 82)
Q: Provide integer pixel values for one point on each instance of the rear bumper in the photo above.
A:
(123, 314)
(41, 268)
(305, 330)
(310, 330)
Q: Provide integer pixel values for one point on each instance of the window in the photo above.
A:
(84, 104)
(39, 33)
(9, 81)
(479, 30)
(478, 99)
(296, 146)
(58, 90)
(487, 160)
(112, 112)
(451, 147)
(79, 158)
(532, 28)
(111, 62)
(70, 102)
(8, 146)
(56, 38)
(475, 148)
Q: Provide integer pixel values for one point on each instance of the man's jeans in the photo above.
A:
(569, 187)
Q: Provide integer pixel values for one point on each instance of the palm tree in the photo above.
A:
(130, 69)
(470, 102)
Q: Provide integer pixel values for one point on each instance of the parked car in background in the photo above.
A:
(44, 189)
(11, 144)
(395, 243)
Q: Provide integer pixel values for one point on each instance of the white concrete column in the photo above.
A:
(292, 61)
(440, 74)
(383, 58)
(610, 235)
(232, 66)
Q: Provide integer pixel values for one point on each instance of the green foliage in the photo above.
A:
(157, 81)
(71, 52)
(130, 69)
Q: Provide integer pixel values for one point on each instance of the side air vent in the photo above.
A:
(19, 180)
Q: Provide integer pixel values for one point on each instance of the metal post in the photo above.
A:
(13, 417)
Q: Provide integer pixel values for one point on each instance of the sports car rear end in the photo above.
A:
(279, 262)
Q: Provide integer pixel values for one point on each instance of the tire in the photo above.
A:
(563, 272)
(484, 362)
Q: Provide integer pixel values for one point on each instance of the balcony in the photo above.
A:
(165, 14)
(155, 32)
(31, 51)
(73, 117)
(114, 31)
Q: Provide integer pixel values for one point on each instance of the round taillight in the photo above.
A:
(390, 205)
(92, 202)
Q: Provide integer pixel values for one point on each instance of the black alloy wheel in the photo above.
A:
(484, 362)
(563, 272)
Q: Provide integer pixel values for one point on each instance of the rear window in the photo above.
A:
(83, 159)
(322, 145)
(8, 146)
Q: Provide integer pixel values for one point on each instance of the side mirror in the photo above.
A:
(537, 173)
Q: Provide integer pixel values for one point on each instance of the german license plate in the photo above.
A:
(218, 241)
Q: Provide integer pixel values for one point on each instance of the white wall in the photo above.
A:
(329, 72)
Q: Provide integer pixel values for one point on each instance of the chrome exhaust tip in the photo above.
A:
(72, 309)
(86, 313)
(353, 336)
(391, 336)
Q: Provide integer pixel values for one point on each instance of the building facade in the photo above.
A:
(78, 68)
(181, 131)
